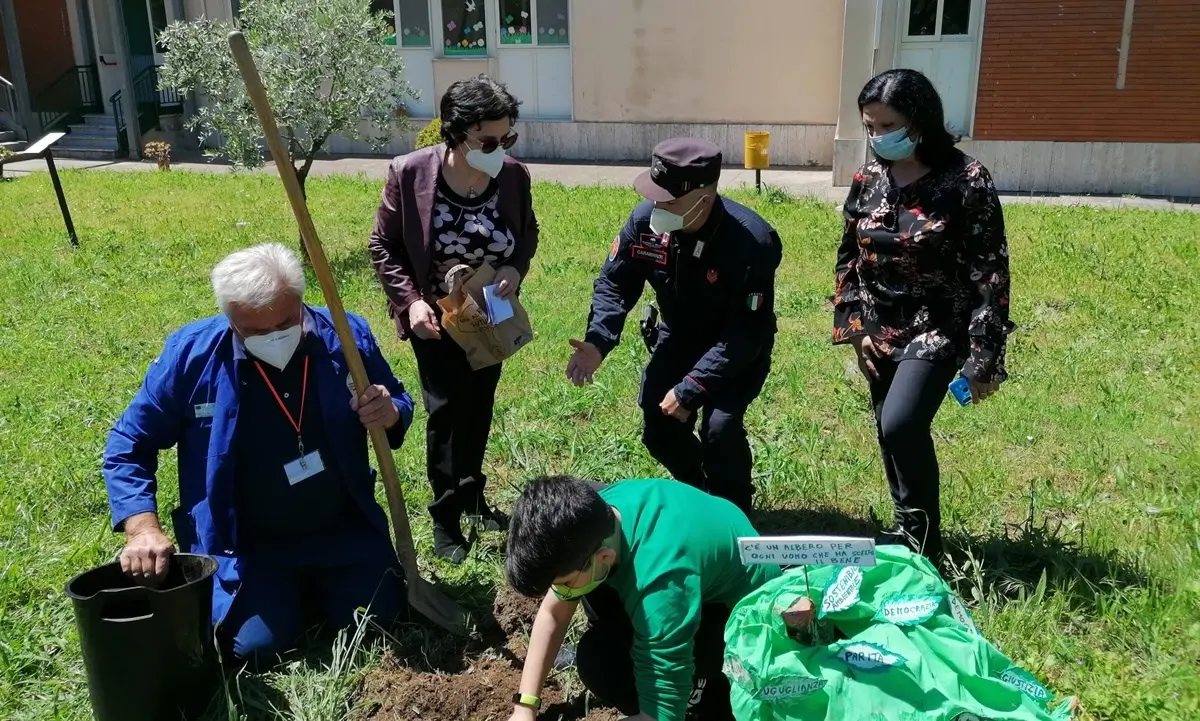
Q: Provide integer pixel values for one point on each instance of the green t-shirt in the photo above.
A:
(678, 550)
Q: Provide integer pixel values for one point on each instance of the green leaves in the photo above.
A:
(326, 67)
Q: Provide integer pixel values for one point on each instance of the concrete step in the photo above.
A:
(82, 154)
(14, 146)
(7, 136)
(88, 142)
(92, 131)
(106, 121)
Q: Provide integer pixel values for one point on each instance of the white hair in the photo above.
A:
(257, 276)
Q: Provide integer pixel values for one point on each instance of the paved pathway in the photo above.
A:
(816, 182)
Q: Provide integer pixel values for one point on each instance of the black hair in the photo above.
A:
(559, 522)
(469, 102)
(911, 94)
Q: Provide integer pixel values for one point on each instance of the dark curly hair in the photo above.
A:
(911, 94)
(469, 102)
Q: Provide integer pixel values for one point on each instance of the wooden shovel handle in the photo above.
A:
(405, 549)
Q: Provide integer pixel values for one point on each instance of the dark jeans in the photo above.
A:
(288, 589)
(906, 397)
(458, 403)
(605, 667)
(719, 460)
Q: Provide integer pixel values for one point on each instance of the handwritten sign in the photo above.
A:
(807, 551)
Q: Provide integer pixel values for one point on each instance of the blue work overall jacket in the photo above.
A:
(189, 399)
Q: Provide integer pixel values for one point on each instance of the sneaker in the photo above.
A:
(449, 544)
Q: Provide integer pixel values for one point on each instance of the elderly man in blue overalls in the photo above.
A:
(274, 474)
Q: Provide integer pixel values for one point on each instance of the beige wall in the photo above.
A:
(447, 71)
(768, 61)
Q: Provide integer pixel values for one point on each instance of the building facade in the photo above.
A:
(1067, 96)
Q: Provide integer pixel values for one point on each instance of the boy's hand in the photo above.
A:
(523, 713)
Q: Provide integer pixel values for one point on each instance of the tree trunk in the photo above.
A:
(302, 176)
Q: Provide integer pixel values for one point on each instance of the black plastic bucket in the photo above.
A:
(148, 652)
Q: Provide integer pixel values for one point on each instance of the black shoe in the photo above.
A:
(486, 518)
(449, 544)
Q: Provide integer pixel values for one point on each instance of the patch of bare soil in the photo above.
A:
(481, 691)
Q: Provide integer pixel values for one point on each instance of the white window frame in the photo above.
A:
(169, 13)
(972, 33)
(398, 30)
(533, 27)
(439, 46)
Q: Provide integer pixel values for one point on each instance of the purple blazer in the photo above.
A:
(403, 233)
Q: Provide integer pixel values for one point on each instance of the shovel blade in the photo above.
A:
(431, 603)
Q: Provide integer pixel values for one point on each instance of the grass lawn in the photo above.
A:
(1073, 493)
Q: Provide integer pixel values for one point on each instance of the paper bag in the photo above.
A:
(465, 318)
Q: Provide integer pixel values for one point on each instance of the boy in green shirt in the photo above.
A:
(656, 565)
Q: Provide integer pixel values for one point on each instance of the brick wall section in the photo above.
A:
(1048, 71)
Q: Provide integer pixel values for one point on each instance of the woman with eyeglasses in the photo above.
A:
(464, 201)
(921, 286)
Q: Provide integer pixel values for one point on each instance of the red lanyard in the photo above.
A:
(303, 395)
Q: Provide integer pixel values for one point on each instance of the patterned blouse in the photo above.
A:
(923, 269)
(468, 231)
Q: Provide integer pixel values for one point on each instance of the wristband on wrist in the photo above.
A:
(526, 699)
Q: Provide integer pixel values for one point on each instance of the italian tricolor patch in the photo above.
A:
(754, 301)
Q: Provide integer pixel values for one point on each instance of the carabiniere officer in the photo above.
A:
(712, 265)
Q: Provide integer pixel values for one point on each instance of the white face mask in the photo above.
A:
(275, 348)
(491, 163)
(664, 221)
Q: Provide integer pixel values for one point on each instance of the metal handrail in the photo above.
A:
(118, 108)
(67, 98)
(8, 93)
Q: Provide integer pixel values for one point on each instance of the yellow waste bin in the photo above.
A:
(758, 150)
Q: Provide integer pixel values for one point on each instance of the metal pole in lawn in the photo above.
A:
(62, 199)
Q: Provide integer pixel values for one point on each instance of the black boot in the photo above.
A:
(448, 543)
(489, 520)
(919, 531)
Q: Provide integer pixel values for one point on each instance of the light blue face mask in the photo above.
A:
(895, 145)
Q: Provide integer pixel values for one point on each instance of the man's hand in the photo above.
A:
(147, 550)
(981, 391)
(670, 407)
(507, 281)
(584, 363)
(423, 321)
(375, 408)
(866, 351)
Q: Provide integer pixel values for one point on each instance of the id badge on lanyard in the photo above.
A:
(306, 465)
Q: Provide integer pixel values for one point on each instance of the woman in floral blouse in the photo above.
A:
(464, 201)
(922, 286)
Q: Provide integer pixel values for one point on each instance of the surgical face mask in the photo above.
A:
(895, 145)
(564, 592)
(491, 163)
(664, 221)
(275, 348)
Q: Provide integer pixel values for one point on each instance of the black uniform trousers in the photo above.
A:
(719, 460)
(603, 658)
(906, 397)
(458, 406)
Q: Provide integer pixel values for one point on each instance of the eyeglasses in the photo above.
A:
(488, 145)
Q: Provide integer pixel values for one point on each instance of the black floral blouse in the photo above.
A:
(923, 269)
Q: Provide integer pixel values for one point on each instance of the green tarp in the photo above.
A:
(892, 642)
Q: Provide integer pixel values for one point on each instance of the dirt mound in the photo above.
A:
(514, 613)
(481, 693)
